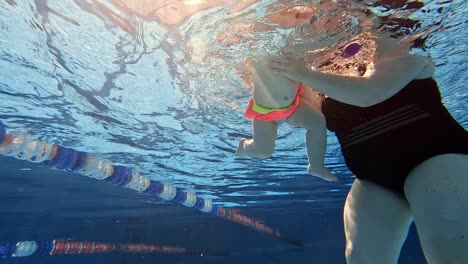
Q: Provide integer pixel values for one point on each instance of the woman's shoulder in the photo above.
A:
(390, 75)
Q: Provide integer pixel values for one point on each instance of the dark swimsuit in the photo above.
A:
(384, 142)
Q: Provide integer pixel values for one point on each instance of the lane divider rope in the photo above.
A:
(65, 247)
(91, 165)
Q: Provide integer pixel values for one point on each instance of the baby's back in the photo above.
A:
(272, 90)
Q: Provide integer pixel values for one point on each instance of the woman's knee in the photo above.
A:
(362, 255)
(444, 250)
(366, 248)
(354, 256)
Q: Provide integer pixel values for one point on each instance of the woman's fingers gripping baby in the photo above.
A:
(288, 65)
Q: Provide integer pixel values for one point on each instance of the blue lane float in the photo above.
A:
(64, 247)
(2, 132)
(90, 165)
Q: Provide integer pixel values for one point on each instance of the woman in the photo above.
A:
(408, 154)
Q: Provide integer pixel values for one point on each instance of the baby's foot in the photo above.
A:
(241, 152)
(321, 172)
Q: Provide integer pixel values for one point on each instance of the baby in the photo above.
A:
(276, 100)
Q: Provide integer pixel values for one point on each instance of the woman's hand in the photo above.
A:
(290, 66)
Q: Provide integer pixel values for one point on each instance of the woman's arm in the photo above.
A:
(386, 79)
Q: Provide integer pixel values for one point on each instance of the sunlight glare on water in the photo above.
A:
(160, 85)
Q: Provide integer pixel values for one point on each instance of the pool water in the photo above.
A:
(160, 86)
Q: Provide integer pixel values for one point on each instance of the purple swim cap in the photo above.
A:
(351, 50)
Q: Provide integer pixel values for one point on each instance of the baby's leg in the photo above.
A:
(263, 143)
(308, 117)
(316, 145)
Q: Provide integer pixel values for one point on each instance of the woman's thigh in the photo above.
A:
(376, 224)
(437, 191)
